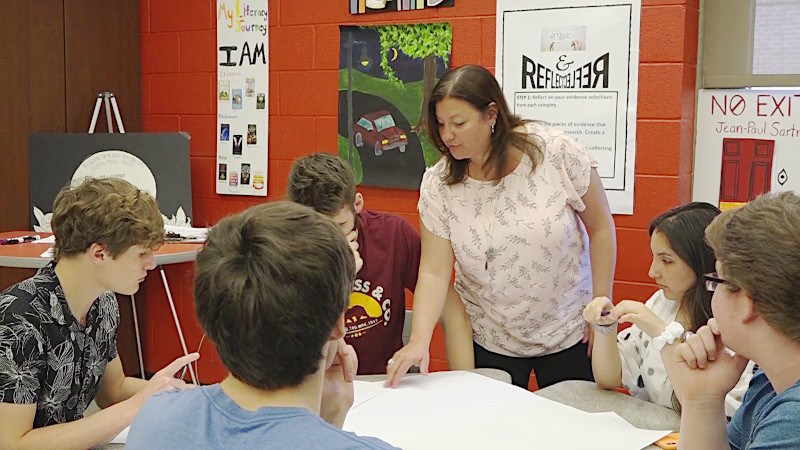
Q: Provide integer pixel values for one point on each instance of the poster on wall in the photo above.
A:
(242, 97)
(384, 73)
(747, 144)
(157, 163)
(575, 65)
(373, 6)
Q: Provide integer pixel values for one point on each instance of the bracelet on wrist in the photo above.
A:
(672, 332)
(605, 328)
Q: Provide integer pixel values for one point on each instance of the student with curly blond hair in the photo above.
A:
(58, 329)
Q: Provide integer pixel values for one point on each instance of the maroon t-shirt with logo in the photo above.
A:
(390, 249)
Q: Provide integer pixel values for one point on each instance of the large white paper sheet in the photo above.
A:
(365, 390)
(465, 410)
(121, 437)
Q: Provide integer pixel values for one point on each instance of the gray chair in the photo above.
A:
(407, 327)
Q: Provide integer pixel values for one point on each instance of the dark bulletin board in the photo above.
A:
(141, 158)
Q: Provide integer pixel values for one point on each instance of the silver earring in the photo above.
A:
(492, 128)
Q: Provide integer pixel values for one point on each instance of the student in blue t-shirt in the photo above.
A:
(756, 306)
(271, 288)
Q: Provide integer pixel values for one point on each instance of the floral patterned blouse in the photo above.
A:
(522, 253)
(46, 356)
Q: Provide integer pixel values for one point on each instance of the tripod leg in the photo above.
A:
(107, 95)
(116, 113)
(96, 113)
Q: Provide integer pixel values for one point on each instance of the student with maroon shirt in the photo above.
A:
(389, 249)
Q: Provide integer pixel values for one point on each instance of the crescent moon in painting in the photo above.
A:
(394, 56)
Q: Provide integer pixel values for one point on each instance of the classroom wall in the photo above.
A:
(178, 90)
(53, 63)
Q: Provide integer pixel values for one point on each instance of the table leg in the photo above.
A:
(138, 339)
(177, 322)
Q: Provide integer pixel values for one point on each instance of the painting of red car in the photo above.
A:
(378, 130)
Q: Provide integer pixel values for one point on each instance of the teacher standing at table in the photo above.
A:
(520, 209)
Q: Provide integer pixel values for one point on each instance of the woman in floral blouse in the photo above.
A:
(518, 207)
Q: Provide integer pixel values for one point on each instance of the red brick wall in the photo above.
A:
(179, 86)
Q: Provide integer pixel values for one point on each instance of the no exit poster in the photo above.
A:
(747, 144)
(575, 65)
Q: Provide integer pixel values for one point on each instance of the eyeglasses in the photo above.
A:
(713, 281)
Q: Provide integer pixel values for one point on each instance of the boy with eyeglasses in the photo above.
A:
(756, 306)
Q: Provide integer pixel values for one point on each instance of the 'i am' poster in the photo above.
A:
(242, 89)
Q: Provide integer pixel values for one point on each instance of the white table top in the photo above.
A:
(586, 396)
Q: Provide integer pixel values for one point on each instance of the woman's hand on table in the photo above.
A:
(412, 354)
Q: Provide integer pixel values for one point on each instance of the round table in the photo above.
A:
(28, 255)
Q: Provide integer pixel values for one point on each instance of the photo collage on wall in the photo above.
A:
(373, 6)
(242, 86)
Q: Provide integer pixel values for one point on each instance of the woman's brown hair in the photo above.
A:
(684, 228)
(478, 87)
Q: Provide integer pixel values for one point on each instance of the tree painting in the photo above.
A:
(386, 74)
(423, 41)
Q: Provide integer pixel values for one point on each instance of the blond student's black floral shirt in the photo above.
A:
(46, 356)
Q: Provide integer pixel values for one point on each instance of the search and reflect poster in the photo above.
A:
(575, 64)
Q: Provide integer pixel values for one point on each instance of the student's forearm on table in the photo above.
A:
(90, 431)
(130, 386)
(606, 362)
(115, 392)
(703, 424)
